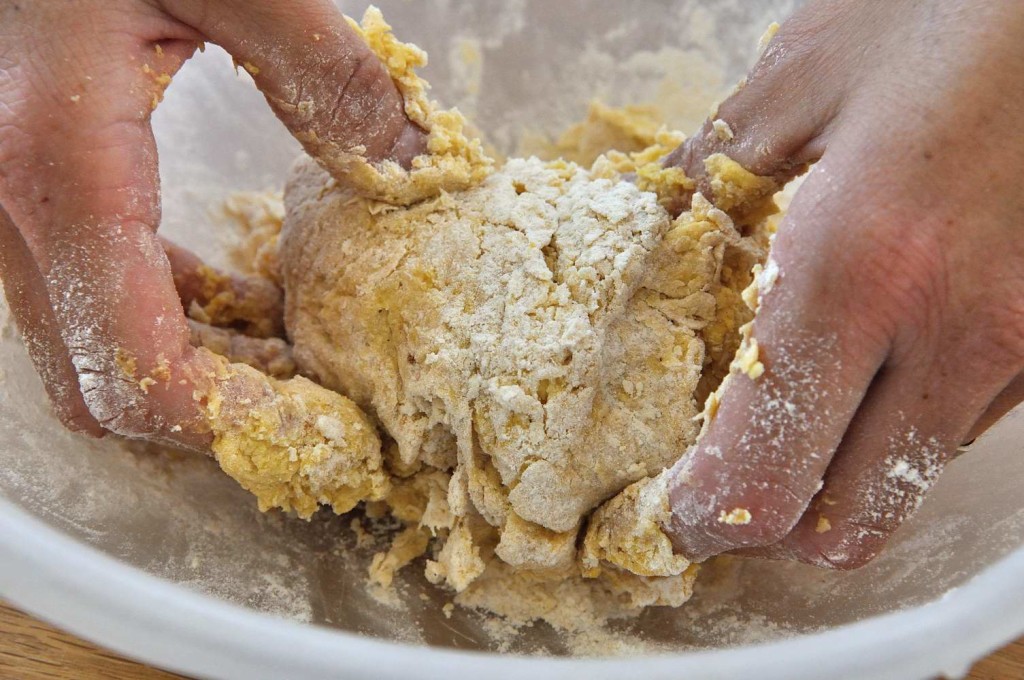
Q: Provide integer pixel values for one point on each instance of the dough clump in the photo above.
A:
(533, 343)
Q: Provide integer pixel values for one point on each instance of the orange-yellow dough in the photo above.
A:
(292, 443)
(533, 339)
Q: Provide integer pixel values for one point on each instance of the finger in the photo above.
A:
(87, 207)
(320, 77)
(116, 306)
(115, 302)
(250, 304)
(26, 296)
(272, 356)
(778, 119)
(84, 185)
(907, 430)
(763, 456)
(1005, 401)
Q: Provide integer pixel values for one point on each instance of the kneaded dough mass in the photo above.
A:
(533, 342)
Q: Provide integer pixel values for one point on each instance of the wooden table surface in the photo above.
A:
(33, 650)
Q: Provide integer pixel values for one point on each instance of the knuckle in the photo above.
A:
(797, 40)
(364, 72)
(116, 403)
(361, 96)
(800, 51)
(893, 279)
(339, 97)
(901, 264)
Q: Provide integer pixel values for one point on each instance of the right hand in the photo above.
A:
(895, 330)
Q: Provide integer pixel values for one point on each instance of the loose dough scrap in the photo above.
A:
(292, 443)
(531, 340)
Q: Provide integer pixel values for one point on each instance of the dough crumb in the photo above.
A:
(767, 36)
(722, 130)
(406, 547)
(736, 516)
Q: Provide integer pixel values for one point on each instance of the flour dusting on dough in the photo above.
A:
(533, 342)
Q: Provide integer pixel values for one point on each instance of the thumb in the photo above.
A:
(320, 77)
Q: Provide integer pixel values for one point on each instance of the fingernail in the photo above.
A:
(411, 142)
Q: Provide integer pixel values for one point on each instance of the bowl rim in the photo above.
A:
(111, 603)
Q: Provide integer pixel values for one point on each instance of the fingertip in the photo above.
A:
(828, 540)
(715, 508)
(842, 548)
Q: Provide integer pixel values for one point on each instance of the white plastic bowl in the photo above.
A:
(161, 557)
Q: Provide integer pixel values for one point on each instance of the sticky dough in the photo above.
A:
(532, 342)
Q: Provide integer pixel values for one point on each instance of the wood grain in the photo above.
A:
(1006, 664)
(32, 650)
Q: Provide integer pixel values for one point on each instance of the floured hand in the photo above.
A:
(85, 274)
(891, 320)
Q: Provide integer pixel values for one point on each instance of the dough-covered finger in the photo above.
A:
(120, 317)
(86, 203)
(323, 81)
(250, 304)
(775, 122)
(88, 212)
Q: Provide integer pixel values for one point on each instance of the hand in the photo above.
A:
(895, 331)
(85, 274)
